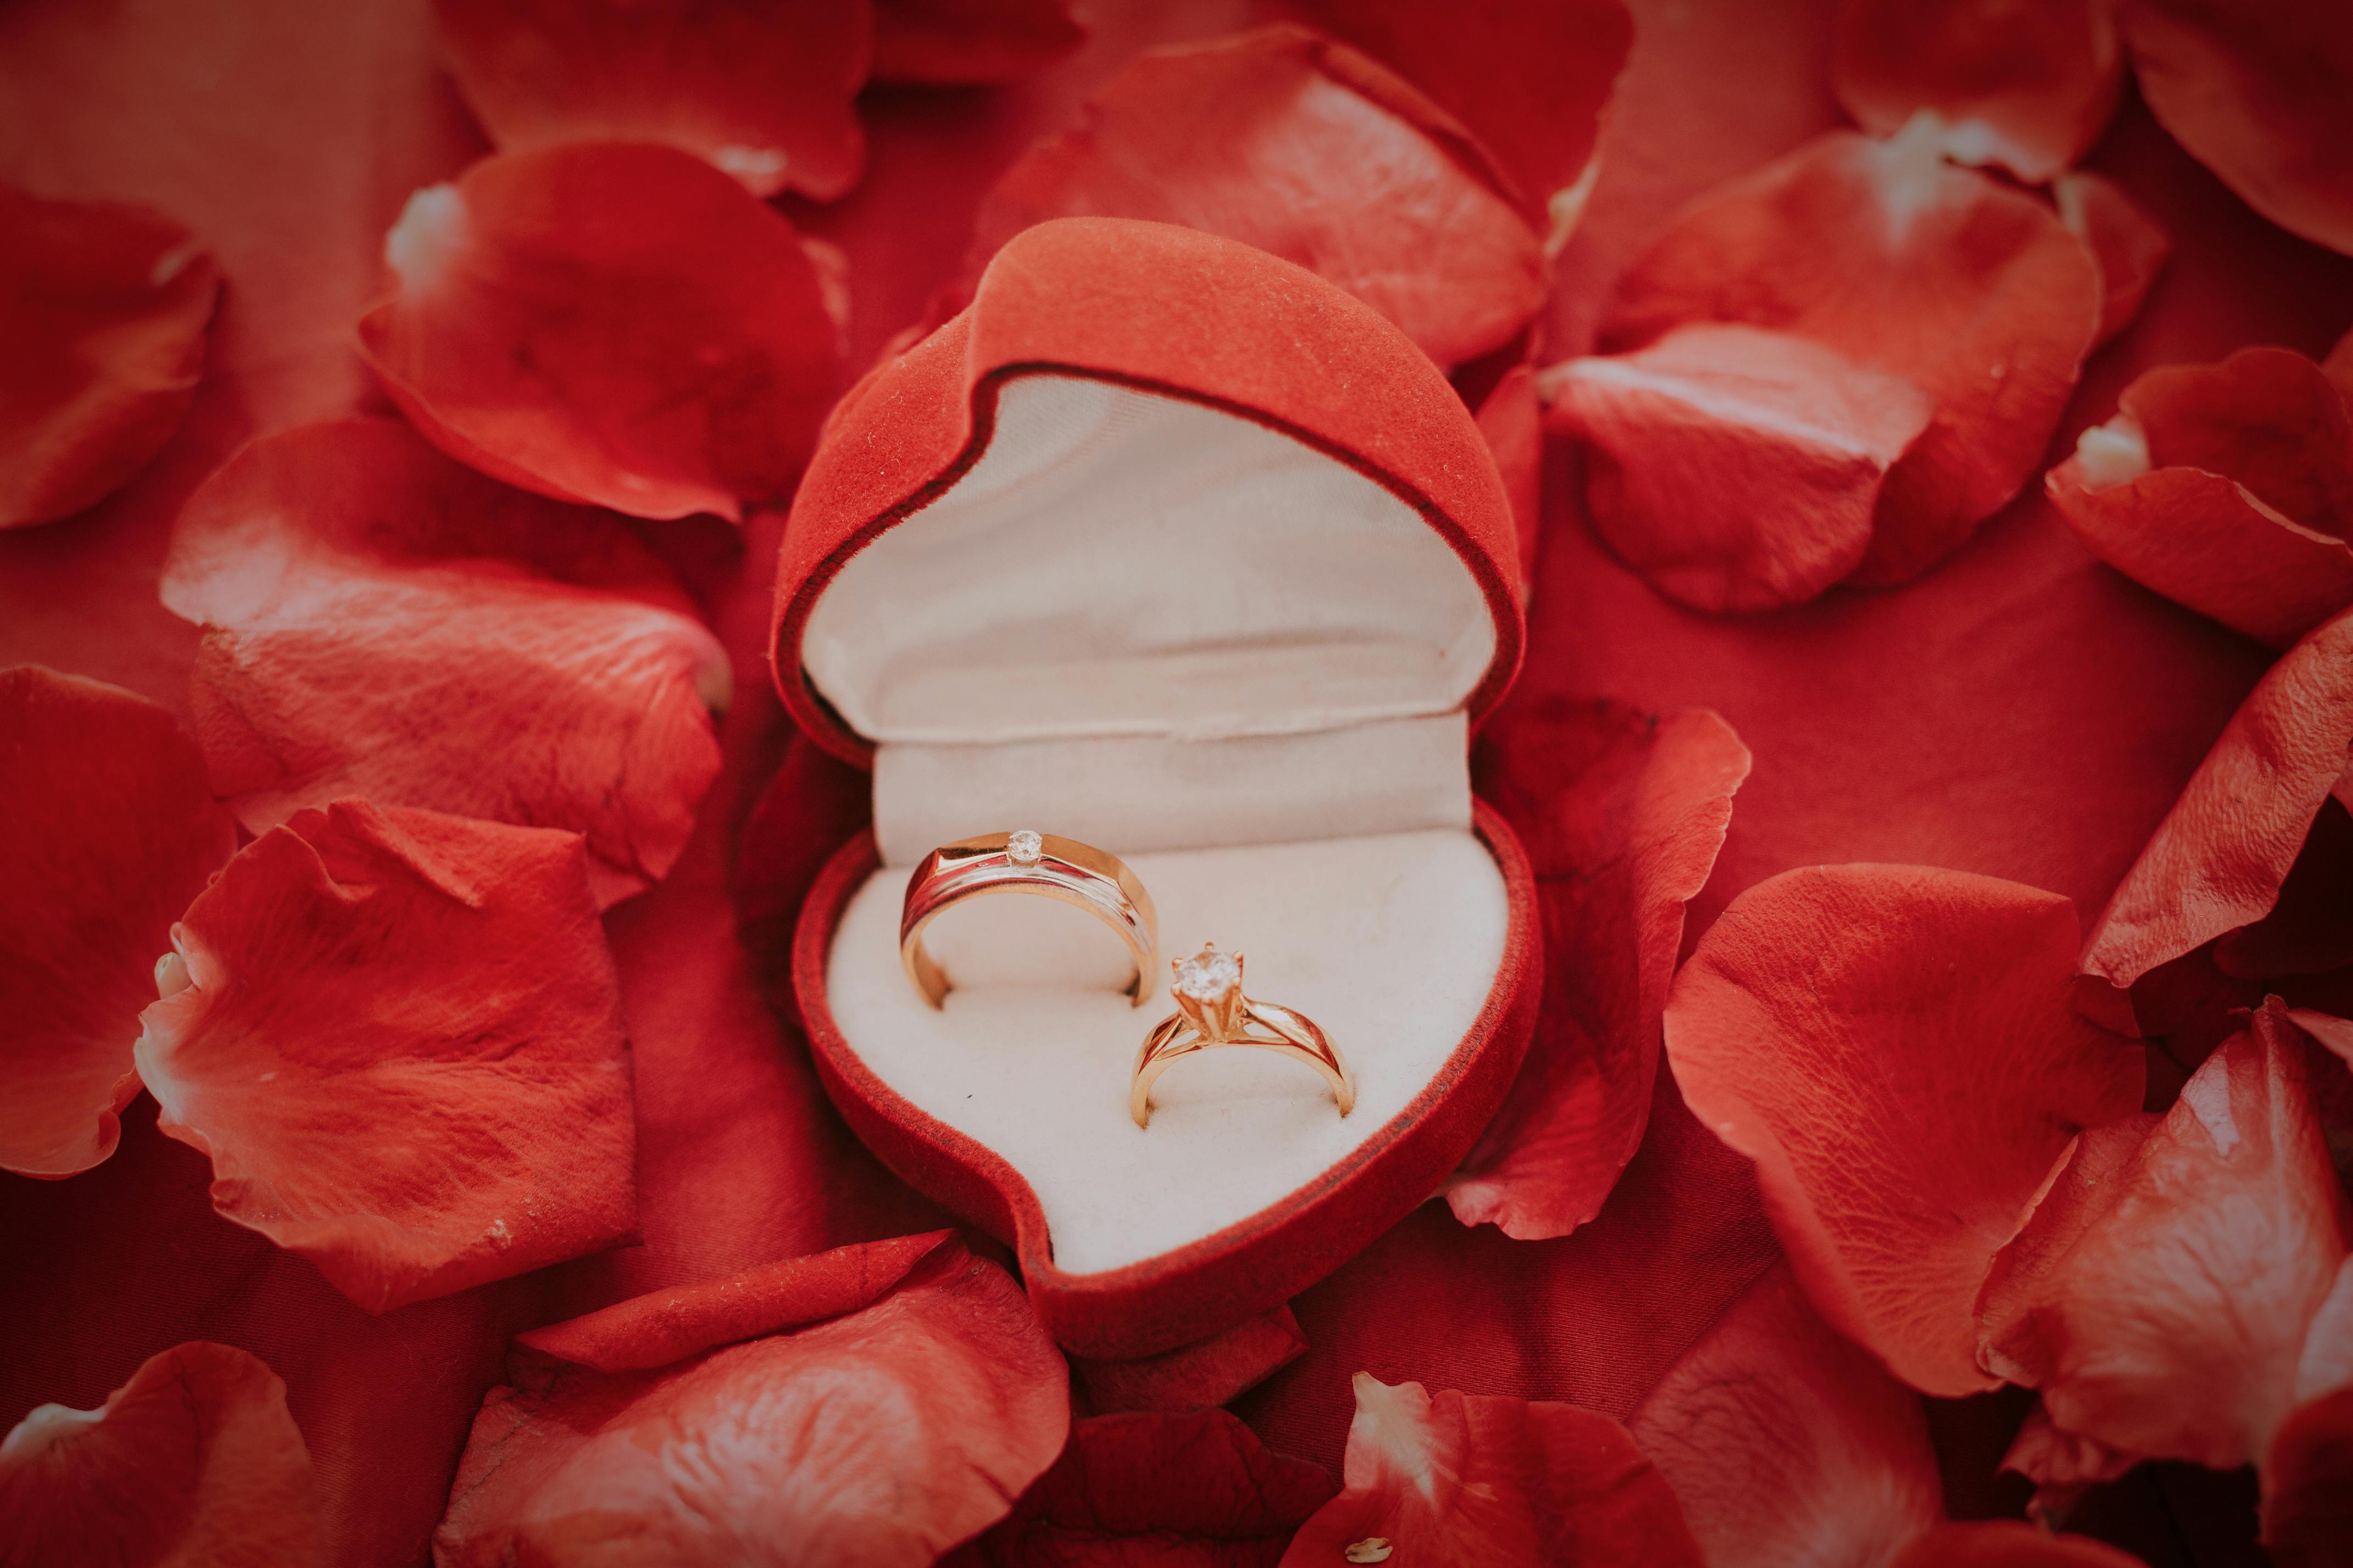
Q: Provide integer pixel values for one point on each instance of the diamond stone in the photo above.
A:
(1207, 975)
(1024, 848)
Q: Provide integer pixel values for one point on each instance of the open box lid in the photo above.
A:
(1162, 483)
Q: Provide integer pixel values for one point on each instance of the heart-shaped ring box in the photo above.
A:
(1169, 546)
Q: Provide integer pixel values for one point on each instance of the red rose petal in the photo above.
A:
(1452, 1479)
(2062, 1465)
(2338, 366)
(1787, 1442)
(382, 621)
(2126, 241)
(2226, 487)
(103, 314)
(2308, 1485)
(1622, 812)
(952, 41)
(1208, 1372)
(2205, 541)
(2310, 928)
(1711, 90)
(400, 1042)
(2026, 87)
(2006, 1544)
(2336, 1034)
(665, 1326)
(194, 1462)
(110, 831)
(2270, 418)
(761, 90)
(1542, 126)
(1512, 419)
(2161, 1299)
(1196, 1488)
(2257, 94)
(1972, 292)
(1225, 136)
(2217, 861)
(1734, 468)
(620, 325)
(1894, 1046)
(2325, 1363)
(876, 1439)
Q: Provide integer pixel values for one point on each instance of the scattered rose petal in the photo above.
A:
(110, 831)
(1452, 1479)
(194, 1462)
(380, 620)
(1196, 1488)
(2326, 1362)
(1542, 127)
(2336, 1034)
(2338, 366)
(1894, 1046)
(2161, 1295)
(401, 1045)
(2257, 94)
(876, 1439)
(1974, 292)
(1512, 420)
(2006, 1544)
(2268, 416)
(615, 324)
(2126, 241)
(2027, 87)
(946, 42)
(1622, 812)
(2201, 538)
(1788, 1443)
(665, 1326)
(1734, 468)
(1290, 141)
(2310, 927)
(2226, 487)
(1208, 1372)
(2308, 1485)
(103, 314)
(2218, 860)
(2062, 1465)
(762, 91)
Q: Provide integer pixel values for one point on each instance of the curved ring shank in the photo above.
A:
(1065, 870)
(1288, 1033)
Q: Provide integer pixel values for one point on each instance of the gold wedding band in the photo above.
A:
(1026, 861)
(1211, 1011)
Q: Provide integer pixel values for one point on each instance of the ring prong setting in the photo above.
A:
(1207, 987)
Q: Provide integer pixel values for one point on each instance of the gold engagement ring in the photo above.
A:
(1211, 1011)
(1026, 861)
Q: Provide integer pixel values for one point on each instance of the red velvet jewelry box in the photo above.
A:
(1169, 546)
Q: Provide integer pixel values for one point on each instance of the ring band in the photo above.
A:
(1211, 1011)
(1026, 861)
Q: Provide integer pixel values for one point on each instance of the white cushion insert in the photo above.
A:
(1391, 942)
(1126, 793)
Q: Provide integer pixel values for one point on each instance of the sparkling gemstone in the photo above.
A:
(1207, 975)
(1024, 848)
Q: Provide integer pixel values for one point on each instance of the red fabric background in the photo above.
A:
(2021, 711)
